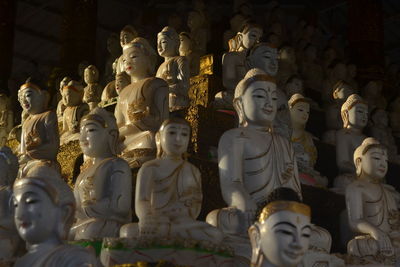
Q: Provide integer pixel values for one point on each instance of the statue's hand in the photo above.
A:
(288, 173)
(385, 245)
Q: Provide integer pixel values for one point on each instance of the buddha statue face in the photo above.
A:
(185, 44)
(283, 238)
(93, 133)
(64, 82)
(121, 81)
(294, 86)
(259, 103)
(167, 42)
(265, 58)
(91, 75)
(300, 112)
(174, 139)
(72, 94)
(373, 164)
(251, 36)
(287, 54)
(358, 116)
(32, 100)
(128, 33)
(135, 62)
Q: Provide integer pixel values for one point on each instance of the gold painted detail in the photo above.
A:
(277, 206)
(206, 65)
(137, 110)
(67, 156)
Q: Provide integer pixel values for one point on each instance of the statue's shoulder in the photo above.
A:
(155, 82)
(49, 116)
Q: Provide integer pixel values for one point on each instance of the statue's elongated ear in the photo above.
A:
(158, 144)
(238, 105)
(255, 240)
(358, 166)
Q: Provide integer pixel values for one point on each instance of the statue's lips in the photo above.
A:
(267, 110)
(25, 225)
(84, 144)
(26, 105)
(293, 255)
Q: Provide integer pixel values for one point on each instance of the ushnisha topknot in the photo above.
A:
(296, 98)
(252, 76)
(351, 101)
(282, 205)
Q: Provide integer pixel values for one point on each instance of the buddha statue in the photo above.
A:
(122, 80)
(61, 105)
(186, 50)
(6, 118)
(44, 212)
(93, 90)
(234, 62)
(103, 189)
(293, 85)
(39, 138)
(196, 23)
(394, 117)
(372, 208)
(174, 70)
(252, 159)
(355, 117)
(9, 238)
(310, 70)
(142, 105)
(328, 57)
(333, 119)
(305, 150)
(287, 64)
(127, 34)
(168, 191)
(236, 22)
(372, 94)
(336, 71)
(379, 129)
(75, 109)
(109, 92)
(114, 50)
(281, 235)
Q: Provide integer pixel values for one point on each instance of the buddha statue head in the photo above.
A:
(32, 98)
(294, 85)
(371, 160)
(99, 127)
(255, 99)
(281, 235)
(64, 82)
(91, 74)
(44, 208)
(9, 166)
(265, 57)
(299, 107)
(287, 54)
(379, 118)
(168, 42)
(185, 46)
(128, 33)
(172, 139)
(342, 90)
(72, 94)
(249, 35)
(195, 20)
(139, 58)
(122, 80)
(237, 22)
(354, 112)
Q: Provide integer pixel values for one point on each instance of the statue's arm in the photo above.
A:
(143, 192)
(230, 164)
(343, 160)
(118, 115)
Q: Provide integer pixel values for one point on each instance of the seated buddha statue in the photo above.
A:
(252, 159)
(234, 62)
(72, 95)
(9, 238)
(103, 189)
(142, 105)
(109, 93)
(61, 105)
(355, 117)
(293, 85)
(168, 191)
(127, 34)
(93, 90)
(174, 70)
(186, 50)
(39, 138)
(305, 150)
(44, 212)
(373, 208)
(6, 118)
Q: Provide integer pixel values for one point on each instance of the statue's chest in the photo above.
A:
(167, 71)
(90, 184)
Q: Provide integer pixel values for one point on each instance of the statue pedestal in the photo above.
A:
(114, 252)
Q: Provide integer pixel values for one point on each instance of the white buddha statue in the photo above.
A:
(142, 105)
(373, 208)
(103, 189)
(44, 212)
(9, 238)
(174, 70)
(127, 34)
(186, 50)
(39, 138)
(305, 150)
(294, 85)
(168, 191)
(355, 117)
(72, 95)
(93, 90)
(61, 106)
(6, 118)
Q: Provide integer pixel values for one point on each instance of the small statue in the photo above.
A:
(127, 34)
(93, 90)
(142, 105)
(6, 119)
(174, 70)
(186, 50)
(355, 117)
(109, 92)
(114, 50)
(372, 207)
(61, 105)
(44, 212)
(39, 138)
(271, 248)
(196, 24)
(9, 238)
(103, 189)
(236, 23)
(305, 150)
(336, 72)
(293, 85)
(75, 109)
(373, 95)
(168, 191)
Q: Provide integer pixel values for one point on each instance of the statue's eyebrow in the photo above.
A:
(285, 223)
(306, 227)
(262, 89)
